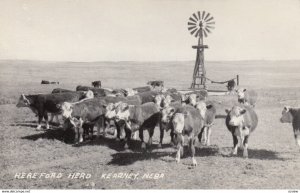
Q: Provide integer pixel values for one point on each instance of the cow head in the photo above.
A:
(67, 109)
(167, 101)
(130, 92)
(158, 99)
(236, 117)
(88, 94)
(202, 107)
(178, 122)
(23, 101)
(286, 116)
(122, 112)
(241, 93)
(167, 114)
(111, 110)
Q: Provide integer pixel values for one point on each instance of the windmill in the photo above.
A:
(199, 25)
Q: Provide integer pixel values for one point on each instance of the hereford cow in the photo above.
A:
(187, 121)
(292, 115)
(208, 114)
(41, 104)
(247, 97)
(241, 121)
(139, 117)
(61, 90)
(98, 92)
(90, 112)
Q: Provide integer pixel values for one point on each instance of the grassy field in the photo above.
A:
(273, 155)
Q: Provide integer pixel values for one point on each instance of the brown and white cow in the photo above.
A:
(292, 115)
(187, 121)
(139, 117)
(241, 121)
(208, 114)
(247, 97)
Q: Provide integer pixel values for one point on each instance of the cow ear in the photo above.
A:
(227, 111)
(172, 110)
(286, 108)
(23, 96)
(58, 106)
(104, 106)
(243, 111)
(209, 106)
(244, 90)
(197, 96)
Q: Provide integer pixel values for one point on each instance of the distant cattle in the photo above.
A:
(186, 121)
(98, 92)
(147, 96)
(241, 121)
(41, 104)
(292, 115)
(96, 84)
(142, 89)
(61, 90)
(157, 85)
(49, 82)
(139, 118)
(247, 97)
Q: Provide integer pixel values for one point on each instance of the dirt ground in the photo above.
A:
(273, 161)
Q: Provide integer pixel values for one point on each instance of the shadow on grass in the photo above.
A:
(261, 154)
(128, 158)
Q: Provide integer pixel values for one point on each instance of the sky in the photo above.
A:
(147, 30)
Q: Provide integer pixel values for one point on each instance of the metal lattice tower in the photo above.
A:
(200, 24)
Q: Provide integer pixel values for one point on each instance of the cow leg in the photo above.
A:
(118, 129)
(141, 135)
(127, 137)
(46, 119)
(297, 138)
(80, 131)
(208, 133)
(235, 144)
(162, 133)
(40, 118)
(201, 134)
(51, 118)
(245, 143)
(179, 147)
(151, 132)
(192, 148)
(172, 137)
(76, 129)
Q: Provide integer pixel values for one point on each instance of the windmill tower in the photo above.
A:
(199, 25)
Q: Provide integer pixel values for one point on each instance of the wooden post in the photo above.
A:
(237, 80)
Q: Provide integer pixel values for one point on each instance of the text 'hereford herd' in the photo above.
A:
(149, 107)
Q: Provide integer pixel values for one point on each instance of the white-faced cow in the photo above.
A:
(98, 92)
(241, 121)
(247, 97)
(90, 112)
(292, 115)
(139, 117)
(41, 104)
(186, 121)
(208, 114)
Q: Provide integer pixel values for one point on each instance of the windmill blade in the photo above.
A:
(191, 28)
(197, 33)
(189, 23)
(206, 29)
(211, 27)
(199, 15)
(205, 34)
(210, 23)
(193, 31)
(195, 16)
(191, 19)
(208, 14)
(203, 13)
(210, 19)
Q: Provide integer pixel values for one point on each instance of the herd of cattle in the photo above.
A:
(149, 107)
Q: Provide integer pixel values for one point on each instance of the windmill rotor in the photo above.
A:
(201, 22)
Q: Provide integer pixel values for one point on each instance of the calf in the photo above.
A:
(187, 121)
(292, 115)
(89, 112)
(241, 121)
(247, 97)
(139, 117)
(41, 104)
(208, 114)
(96, 84)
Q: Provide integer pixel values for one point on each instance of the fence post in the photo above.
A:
(237, 80)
